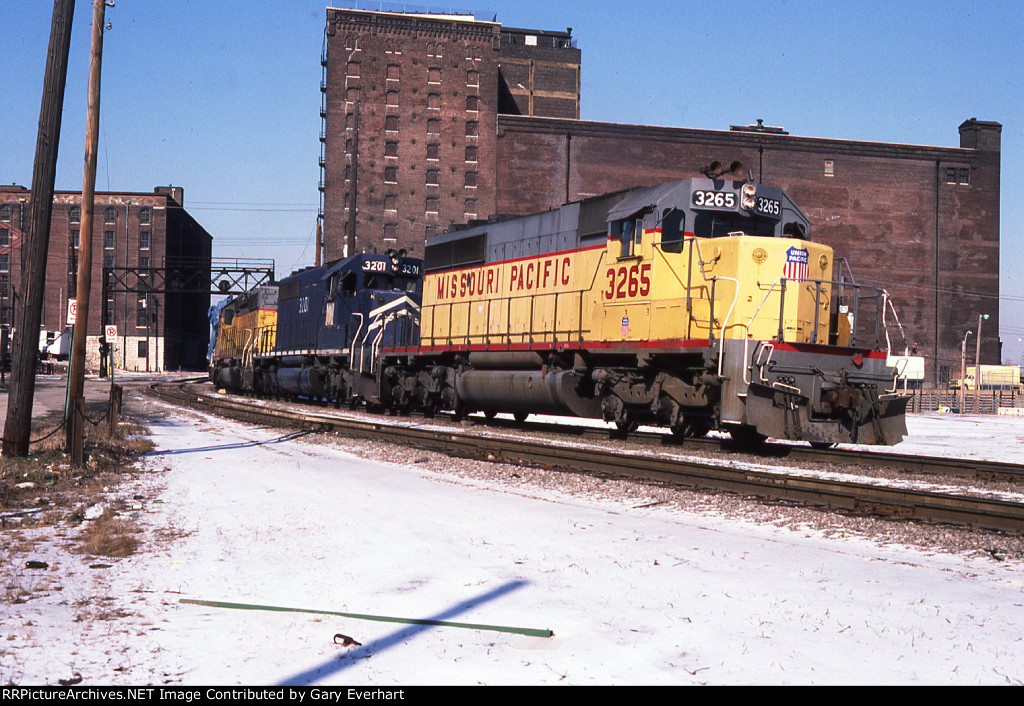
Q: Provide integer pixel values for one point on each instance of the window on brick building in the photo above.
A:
(390, 202)
(434, 101)
(433, 176)
(108, 239)
(434, 74)
(432, 204)
(75, 214)
(470, 208)
(473, 103)
(5, 213)
(392, 99)
(471, 153)
(391, 149)
(391, 123)
(951, 175)
(353, 69)
(964, 175)
(391, 175)
(433, 151)
(394, 72)
(75, 238)
(144, 239)
(110, 215)
(141, 319)
(5, 262)
(108, 260)
(433, 126)
(470, 178)
(472, 128)
(391, 231)
(472, 78)
(144, 215)
(5, 237)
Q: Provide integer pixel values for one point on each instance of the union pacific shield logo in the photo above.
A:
(796, 264)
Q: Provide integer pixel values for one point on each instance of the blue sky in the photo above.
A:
(222, 98)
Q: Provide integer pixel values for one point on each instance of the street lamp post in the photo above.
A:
(963, 369)
(977, 362)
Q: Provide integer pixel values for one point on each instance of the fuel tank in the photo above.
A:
(307, 382)
(525, 391)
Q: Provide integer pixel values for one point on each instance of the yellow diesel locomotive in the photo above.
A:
(698, 304)
(245, 329)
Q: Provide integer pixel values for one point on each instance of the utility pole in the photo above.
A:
(319, 242)
(76, 371)
(35, 243)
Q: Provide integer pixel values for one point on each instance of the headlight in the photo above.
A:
(747, 199)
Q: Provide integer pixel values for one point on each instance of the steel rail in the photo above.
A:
(852, 497)
(975, 469)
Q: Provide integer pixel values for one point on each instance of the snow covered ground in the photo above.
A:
(635, 593)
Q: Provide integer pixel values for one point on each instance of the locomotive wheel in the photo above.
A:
(627, 426)
(747, 436)
(520, 417)
(490, 414)
(694, 427)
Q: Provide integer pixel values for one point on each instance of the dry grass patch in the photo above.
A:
(109, 535)
(43, 489)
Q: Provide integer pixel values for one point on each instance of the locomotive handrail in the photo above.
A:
(897, 371)
(746, 331)
(695, 243)
(757, 363)
(527, 335)
(355, 337)
(781, 283)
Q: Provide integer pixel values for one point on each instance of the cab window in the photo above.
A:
(629, 233)
(718, 225)
(673, 229)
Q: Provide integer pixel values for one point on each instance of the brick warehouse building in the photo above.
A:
(460, 120)
(155, 331)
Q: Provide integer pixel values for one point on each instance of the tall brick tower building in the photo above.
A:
(410, 110)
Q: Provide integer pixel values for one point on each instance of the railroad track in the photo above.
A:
(930, 465)
(750, 479)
